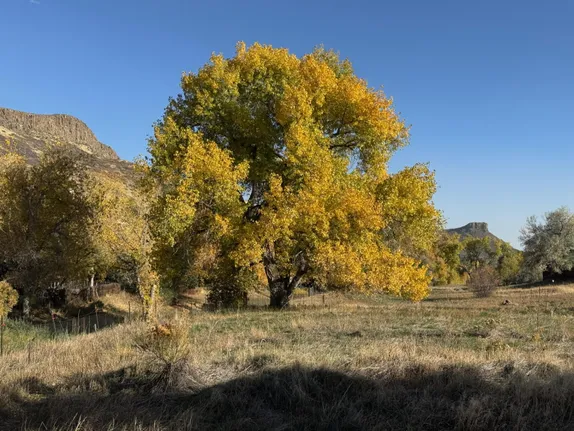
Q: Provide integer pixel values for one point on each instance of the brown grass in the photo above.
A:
(450, 362)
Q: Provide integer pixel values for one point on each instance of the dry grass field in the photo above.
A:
(354, 362)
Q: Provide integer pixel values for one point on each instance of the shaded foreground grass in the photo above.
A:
(453, 362)
(303, 398)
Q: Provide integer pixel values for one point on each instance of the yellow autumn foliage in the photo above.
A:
(8, 298)
(278, 161)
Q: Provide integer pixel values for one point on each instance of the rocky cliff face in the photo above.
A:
(30, 133)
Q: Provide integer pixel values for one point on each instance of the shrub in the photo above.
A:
(166, 349)
(229, 290)
(8, 298)
(227, 296)
(483, 281)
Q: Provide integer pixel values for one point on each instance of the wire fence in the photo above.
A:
(95, 320)
(58, 326)
(82, 324)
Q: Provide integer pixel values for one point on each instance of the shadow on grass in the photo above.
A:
(300, 398)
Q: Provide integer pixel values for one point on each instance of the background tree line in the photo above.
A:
(457, 259)
(548, 254)
(61, 224)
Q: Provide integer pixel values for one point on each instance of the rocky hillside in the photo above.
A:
(30, 135)
(474, 229)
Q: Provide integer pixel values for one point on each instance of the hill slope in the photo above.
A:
(31, 134)
(474, 229)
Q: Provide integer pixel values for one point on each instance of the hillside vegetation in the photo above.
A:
(449, 362)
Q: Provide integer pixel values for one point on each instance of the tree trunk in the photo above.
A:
(26, 308)
(93, 294)
(152, 302)
(281, 289)
(281, 285)
(280, 293)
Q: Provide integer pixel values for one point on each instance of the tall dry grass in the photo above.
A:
(451, 362)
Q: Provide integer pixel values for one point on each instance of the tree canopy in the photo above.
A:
(270, 163)
(45, 221)
(444, 259)
(60, 223)
(549, 243)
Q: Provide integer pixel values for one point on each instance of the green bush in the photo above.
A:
(229, 290)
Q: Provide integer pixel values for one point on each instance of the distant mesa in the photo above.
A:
(475, 230)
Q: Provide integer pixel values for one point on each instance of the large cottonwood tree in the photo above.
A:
(274, 161)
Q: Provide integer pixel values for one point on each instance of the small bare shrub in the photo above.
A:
(166, 348)
(483, 281)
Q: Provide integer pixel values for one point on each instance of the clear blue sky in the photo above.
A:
(488, 86)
